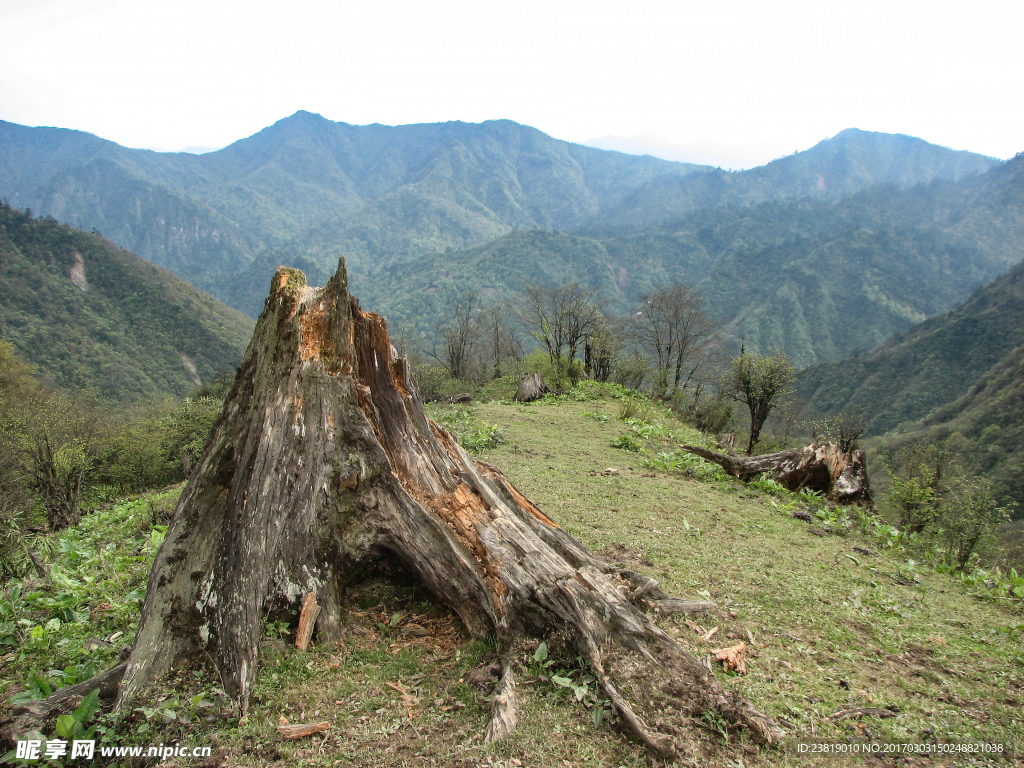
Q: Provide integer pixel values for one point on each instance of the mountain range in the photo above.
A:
(815, 278)
(699, 152)
(310, 188)
(864, 242)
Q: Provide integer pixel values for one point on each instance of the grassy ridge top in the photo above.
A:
(833, 628)
(74, 304)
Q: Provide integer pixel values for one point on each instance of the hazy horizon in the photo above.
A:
(194, 74)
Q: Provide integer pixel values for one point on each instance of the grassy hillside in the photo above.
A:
(315, 188)
(816, 279)
(832, 627)
(85, 311)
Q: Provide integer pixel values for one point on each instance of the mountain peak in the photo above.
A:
(304, 116)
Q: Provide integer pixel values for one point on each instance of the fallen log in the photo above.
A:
(322, 465)
(823, 467)
(859, 712)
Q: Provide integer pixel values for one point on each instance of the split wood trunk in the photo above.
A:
(822, 467)
(322, 463)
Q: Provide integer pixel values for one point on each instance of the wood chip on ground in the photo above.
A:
(733, 658)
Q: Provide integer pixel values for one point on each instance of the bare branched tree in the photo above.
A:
(504, 348)
(672, 324)
(601, 346)
(457, 335)
(560, 319)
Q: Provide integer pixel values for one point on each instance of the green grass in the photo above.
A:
(833, 628)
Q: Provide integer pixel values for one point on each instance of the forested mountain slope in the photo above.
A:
(928, 366)
(830, 170)
(958, 376)
(986, 426)
(87, 312)
(816, 279)
(309, 187)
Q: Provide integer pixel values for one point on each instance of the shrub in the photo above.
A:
(435, 383)
(473, 435)
(914, 503)
(968, 522)
(710, 411)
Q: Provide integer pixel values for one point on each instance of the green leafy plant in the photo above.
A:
(38, 688)
(472, 435)
(74, 726)
(687, 463)
(540, 662)
(627, 443)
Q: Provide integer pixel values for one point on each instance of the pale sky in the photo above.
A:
(153, 73)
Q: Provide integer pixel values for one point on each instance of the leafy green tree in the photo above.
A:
(60, 437)
(187, 429)
(761, 383)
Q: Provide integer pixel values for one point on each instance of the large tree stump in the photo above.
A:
(321, 463)
(822, 467)
(531, 388)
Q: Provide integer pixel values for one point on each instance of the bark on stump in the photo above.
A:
(823, 467)
(323, 462)
(531, 388)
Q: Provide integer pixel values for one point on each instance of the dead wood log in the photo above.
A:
(859, 712)
(299, 730)
(322, 463)
(733, 658)
(531, 388)
(37, 563)
(823, 467)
